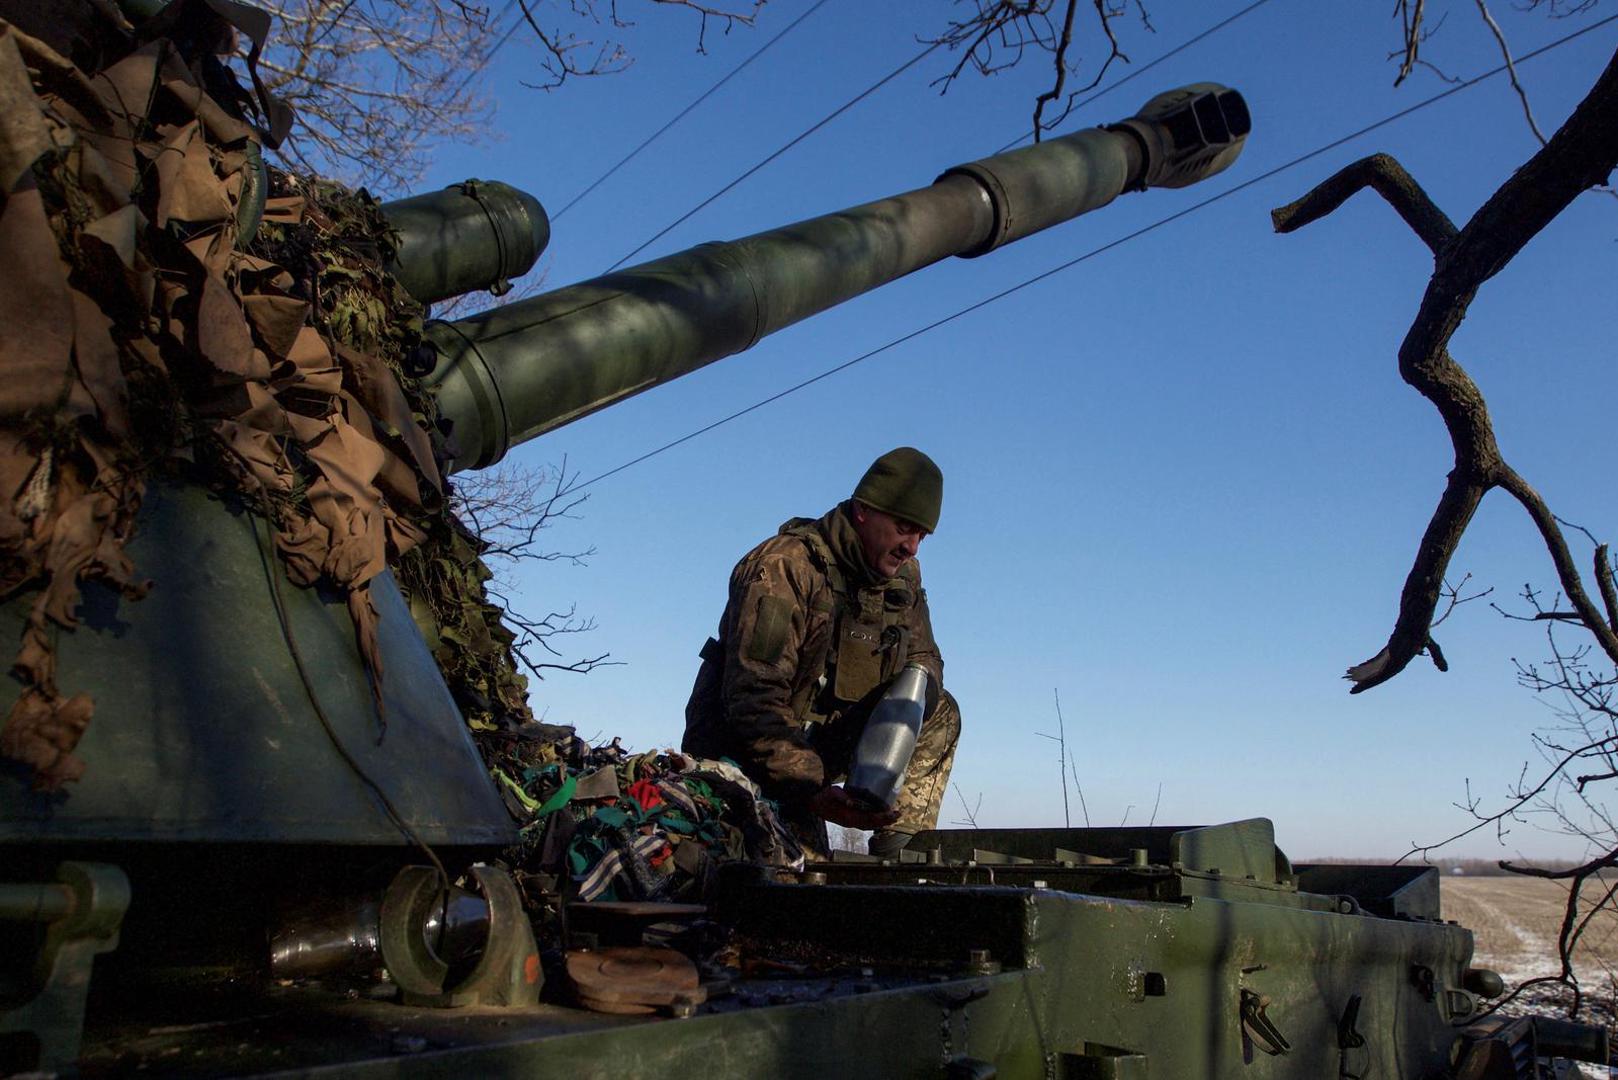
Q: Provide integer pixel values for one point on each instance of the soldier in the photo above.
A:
(820, 619)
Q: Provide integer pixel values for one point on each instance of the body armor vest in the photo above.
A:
(869, 641)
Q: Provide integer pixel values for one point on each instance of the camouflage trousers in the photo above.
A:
(926, 780)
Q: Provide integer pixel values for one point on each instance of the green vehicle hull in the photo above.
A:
(1005, 964)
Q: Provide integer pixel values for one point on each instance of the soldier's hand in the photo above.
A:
(840, 808)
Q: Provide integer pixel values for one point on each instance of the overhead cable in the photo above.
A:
(816, 126)
(683, 113)
(1144, 68)
(1069, 264)
(865, 93)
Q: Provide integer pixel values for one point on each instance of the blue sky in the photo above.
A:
(1184, 482)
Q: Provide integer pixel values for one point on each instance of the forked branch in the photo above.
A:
(1582, 153)
(999, 33)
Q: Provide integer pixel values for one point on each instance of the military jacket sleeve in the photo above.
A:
(919, 621)
(774, 633)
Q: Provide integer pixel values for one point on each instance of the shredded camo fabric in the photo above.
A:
(141, 332)
(172, 306)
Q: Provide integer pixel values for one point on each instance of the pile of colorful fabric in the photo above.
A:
(601, 823)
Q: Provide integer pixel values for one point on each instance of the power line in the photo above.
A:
(859, 97)
(1187, 211)
(822, 122)
(685, 111)
(1143, 69)
(863, 94)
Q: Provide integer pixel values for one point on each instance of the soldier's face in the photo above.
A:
(889, 542)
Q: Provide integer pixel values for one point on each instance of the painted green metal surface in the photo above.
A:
(933, 978)
(80, 914)
(1090, 984)
(204, 729)
(523, 369)
(518, 371)
(478, 234)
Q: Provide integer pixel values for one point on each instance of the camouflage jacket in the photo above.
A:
(807, 633)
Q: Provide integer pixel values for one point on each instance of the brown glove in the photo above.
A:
(840, 808)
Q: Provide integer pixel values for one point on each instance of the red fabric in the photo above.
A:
(646, 794)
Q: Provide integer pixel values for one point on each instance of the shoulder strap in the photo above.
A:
(820, 554)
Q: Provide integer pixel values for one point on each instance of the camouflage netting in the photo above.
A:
(145, 334)
(141, 335)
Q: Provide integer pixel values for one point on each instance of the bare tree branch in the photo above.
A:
(1566, 571)
(1386, 177)
(970, 812)
(1581, 759)
(509, 506)
(1573, 926)
(1579, 156)
(1452, 594)
(541, 632)
(1060, 738)
(1078, 788)
(378, 83)
(1523, 798)
(1410, 12)
(1511, 68)
(1413, 36)
(560, 48)
(1564, 788)
(1000, 33)
(509, 510)
(1609, 596)
(1059, 59)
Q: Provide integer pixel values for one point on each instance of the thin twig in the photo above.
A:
(1511, 69)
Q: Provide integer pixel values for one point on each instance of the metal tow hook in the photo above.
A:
(1259, 1029)
(1349, 1038)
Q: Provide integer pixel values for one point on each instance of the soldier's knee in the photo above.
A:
(945, 720)
(935, 746)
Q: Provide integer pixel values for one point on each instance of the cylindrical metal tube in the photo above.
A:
(1567, 1038)
(889, 739)
(507, 375)
(337, 936)
(1038, 186)
(325, 938)
(521, 370)
(36, 903)
(478, 234)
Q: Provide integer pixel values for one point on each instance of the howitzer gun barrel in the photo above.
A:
(478, 234)
(516, 372)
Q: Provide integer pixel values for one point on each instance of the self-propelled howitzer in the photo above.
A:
(214, 788)
(162, 671)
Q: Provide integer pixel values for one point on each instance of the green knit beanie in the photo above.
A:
(906, 484)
